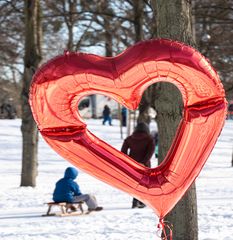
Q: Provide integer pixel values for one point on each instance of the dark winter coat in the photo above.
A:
(66, 188)
(106, 111)
(139, 146)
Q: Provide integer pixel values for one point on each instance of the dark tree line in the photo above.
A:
(80, 25)
(214, 36)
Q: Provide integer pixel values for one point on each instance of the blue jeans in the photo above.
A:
(107, 119)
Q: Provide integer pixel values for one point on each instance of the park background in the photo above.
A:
(34, 31)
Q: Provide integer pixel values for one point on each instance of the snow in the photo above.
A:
(22, 207)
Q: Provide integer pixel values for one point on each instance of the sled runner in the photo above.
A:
(66, 209)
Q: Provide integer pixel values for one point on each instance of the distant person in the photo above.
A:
(230, 111)
(139, 146)
(8, 110)
(107, 115)
(67, 190)
(124, 116)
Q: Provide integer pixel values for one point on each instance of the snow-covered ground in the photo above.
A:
(21, 207)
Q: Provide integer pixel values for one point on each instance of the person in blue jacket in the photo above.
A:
(67, 190)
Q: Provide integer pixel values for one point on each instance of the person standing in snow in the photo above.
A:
(107, 115)
(139, 146)
(67, 190)
(124, 116)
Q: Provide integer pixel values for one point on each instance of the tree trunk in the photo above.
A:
(93, 106)
(138, 29)
(70, 21)
(70, 38)
(108, 32)
(32, 58)
(138, 19)
(174, 22)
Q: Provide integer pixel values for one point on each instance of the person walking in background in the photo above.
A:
(67, 190)
(230, 111)
(139, 146)
(107, 115)
(124, 116)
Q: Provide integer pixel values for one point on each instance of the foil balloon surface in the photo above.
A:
(58, 86)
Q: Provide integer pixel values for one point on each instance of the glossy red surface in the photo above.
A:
(58, 86)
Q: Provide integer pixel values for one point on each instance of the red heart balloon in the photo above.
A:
(58, 86)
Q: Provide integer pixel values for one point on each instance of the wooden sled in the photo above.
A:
(66, 209)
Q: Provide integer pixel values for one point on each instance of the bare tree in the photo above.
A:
(174, 22)
(32, 59)
(214, 34)
(82, 21)
(11, 47)
(64, 11)
(138, 7)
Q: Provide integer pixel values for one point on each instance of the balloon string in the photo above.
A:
(162, 226)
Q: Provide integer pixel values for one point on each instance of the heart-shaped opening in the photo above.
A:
(122, 121)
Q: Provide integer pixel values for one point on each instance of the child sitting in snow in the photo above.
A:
(67, 190)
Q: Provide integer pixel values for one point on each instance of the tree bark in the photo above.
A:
(138, 19)
(108, 38)
(70, 21)
(138, 29)
(174, 22)
(32, 58)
